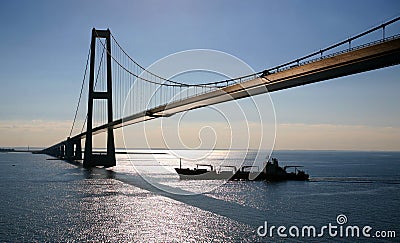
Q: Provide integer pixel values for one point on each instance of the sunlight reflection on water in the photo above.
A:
(50, 200)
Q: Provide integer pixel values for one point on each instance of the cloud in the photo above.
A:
(337, 137)
(33, 133)
(236, 135)
(203, 135)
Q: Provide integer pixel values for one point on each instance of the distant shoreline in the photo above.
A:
(118, 150)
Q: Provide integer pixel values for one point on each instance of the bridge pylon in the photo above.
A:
(92, 159)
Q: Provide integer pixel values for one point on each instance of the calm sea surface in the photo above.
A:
(143, 200)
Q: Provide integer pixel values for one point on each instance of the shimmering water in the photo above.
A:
(51, 200)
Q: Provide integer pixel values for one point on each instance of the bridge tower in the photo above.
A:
(91, 159)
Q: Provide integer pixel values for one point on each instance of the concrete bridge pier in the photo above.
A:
(73, 149)
(62, 151)
(78, 150)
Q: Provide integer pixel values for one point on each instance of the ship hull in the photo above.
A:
(200, 174)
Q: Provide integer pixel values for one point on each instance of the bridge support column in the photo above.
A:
(62, 151)
(73, 149)
(78, 150)
(108, 159)
(69, 149)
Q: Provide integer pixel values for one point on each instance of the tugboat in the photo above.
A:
(273, 172)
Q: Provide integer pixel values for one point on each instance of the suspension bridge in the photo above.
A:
(121, 92)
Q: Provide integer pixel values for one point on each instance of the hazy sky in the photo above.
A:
(44, 46)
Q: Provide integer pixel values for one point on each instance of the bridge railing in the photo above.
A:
(297, 63)
(306, 59)
(275, 70)
(315, 56)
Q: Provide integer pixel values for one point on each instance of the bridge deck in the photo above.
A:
(360, 60)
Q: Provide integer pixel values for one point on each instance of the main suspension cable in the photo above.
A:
(80, 94)
(212, 84)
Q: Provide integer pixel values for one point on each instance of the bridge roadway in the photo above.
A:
(370, 57)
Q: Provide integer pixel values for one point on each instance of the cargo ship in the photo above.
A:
(271, 172)
(206, 172)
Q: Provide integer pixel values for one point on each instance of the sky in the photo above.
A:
(44, 46)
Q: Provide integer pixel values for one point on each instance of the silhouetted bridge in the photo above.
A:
(112, 72)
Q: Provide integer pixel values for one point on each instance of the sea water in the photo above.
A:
(43, 199)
